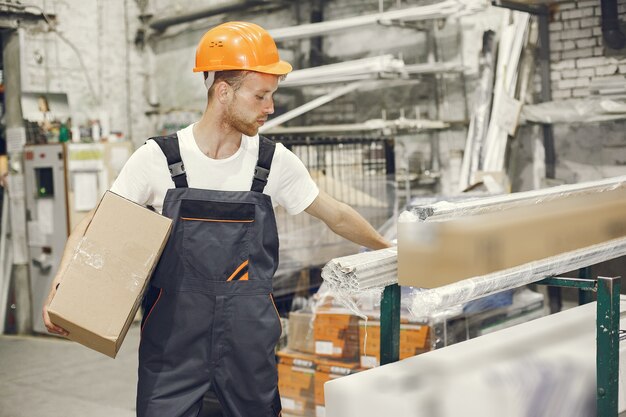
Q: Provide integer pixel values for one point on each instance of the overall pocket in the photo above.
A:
(216, 239)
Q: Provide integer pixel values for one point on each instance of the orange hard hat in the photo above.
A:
(239, 46)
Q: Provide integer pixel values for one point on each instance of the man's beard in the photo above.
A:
(248, 129)
(239, 124)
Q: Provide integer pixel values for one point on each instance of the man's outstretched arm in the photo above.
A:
(346, 222)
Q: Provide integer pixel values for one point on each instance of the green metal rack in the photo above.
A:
(607, 331)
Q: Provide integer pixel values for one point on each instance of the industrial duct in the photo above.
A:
(613, 36)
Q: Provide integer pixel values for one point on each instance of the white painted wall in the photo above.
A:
(101, 33)
(150, 90)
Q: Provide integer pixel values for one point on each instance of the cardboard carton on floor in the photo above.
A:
(102, 287)
(414, 339)
(336, 334)
(327, 370)
(296, 382)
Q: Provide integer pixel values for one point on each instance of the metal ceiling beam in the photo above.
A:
(379, 67)
(434, 11)
(373, 125)
(343, 71)
(320, 101)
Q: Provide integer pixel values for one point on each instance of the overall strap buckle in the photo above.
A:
(177, 169)
(261, 173)
(264, 163)
(171, 150)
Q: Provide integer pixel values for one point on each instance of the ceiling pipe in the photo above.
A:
(434, 11)
(611, 31)
(163, 23)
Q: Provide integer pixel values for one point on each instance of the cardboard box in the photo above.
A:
(102, 287)
(300, 332)
(436, 253)
(414, 339)
(296, 382)
(325, 371)
(336, 333)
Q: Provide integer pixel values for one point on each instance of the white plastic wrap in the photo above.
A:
(427, 302)
(364, 272)
(444, 210)
(592, 109)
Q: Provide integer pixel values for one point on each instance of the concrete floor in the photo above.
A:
(43, 376)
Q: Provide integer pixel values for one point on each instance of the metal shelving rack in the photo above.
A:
(356, 169)
(607, 288)
(607, 331)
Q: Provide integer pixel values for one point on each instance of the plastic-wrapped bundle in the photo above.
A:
(430, 301)
(363, 270)
(354, 274)
(444, 210)
(447, 242)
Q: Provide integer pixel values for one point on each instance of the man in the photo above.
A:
(210, 320)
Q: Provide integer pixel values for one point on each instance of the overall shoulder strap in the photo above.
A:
(169, 146)
(263, 164)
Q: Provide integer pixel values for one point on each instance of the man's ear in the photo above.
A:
(222, 91)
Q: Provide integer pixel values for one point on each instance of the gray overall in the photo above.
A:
(210, 322)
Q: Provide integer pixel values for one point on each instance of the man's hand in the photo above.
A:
(70, 246)
(4, 180)
(52, 328)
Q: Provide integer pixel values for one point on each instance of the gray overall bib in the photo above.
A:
(210, 322)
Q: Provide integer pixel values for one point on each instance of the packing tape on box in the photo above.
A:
(96, 256)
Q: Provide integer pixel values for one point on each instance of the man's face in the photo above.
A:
(252, 102)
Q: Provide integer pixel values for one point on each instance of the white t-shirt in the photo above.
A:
(145, 178)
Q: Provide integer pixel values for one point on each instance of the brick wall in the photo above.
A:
(585, 151)
(577, 51)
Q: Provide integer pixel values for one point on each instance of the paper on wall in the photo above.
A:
(85, 157)
(16, 139)
(85, 190)
(35, 236)
(45, 215)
